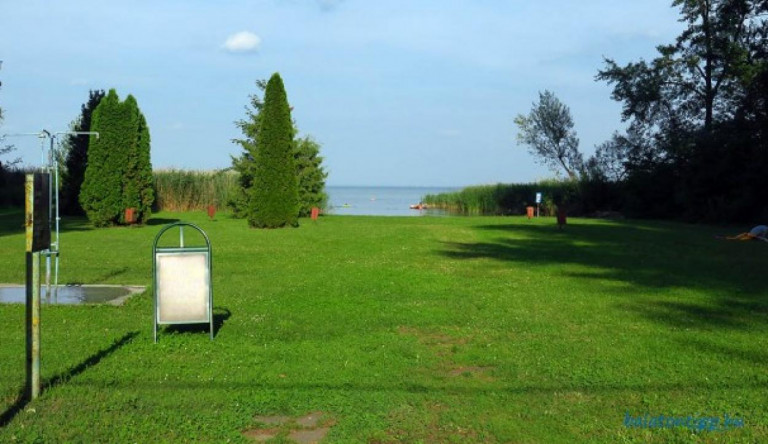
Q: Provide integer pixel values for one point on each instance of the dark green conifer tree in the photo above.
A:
(311, 175)
(77, 156)
(137, 178)
(309, 169)
(101, 192)
(119, 172)
(274, 196)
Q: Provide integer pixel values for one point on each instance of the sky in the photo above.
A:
(397, 92)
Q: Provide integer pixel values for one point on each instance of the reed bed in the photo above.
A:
(503, 199)
(474, 200)
(186, 190)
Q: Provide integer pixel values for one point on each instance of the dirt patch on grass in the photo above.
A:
(272, 420)
(442, 343)
(445, 347)
(310, 428)
(309, 436)
(429, 423)
(312, 420)
(261, 435)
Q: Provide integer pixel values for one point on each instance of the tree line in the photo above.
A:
(696, 143)
(281, 176)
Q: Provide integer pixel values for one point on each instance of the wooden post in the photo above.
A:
(33, 240)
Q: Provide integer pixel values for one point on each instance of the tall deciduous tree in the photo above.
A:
(548, 132)
(118, 175)
(699, 79)
(5, 149)
(5, 165)
(274, 196)
(76, 148)
(694, 108)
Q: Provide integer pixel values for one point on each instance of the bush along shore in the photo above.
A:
(578, 198)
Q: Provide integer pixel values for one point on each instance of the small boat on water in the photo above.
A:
(419, 206)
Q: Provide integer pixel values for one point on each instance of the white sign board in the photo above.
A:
(183, 287)
(538, 198)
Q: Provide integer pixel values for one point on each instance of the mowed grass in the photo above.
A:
(404, 330)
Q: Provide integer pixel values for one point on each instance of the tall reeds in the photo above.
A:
(474, 200)
(505, 199)
(184, 190)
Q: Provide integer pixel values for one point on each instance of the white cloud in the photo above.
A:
(243, 41)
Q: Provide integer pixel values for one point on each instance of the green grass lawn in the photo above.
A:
(404, 330)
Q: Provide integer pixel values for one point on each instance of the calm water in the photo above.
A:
(380, 201)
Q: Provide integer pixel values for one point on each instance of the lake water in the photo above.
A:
(380, 201)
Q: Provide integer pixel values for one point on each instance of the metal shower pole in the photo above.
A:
(54, 163)
(51, 166)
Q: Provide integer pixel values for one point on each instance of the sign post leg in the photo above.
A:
(37, 239)
(33, 325)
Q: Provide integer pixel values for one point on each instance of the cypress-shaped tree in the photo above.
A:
(137, 176)
(77, 156)
(101, 193)
(309, 169)
(146, 180)
(119, 172)
(274, 196)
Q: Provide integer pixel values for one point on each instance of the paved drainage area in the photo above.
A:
(72, 294)
(307, 429)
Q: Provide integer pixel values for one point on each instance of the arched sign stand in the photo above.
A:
(182, 281)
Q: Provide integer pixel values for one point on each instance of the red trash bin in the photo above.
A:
(315, 213)
(562, 218)
(130, 215)
(529, 211)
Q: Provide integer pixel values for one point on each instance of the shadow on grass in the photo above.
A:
(22, 400)
(220, 316)
(451, 387)
(12, 222)
(160, 221)
(648, 259)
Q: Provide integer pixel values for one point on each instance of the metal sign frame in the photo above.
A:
(180, 252)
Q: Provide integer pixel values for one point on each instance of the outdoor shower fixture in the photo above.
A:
(50, 166)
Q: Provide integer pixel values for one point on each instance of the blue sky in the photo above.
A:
(408, 93)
